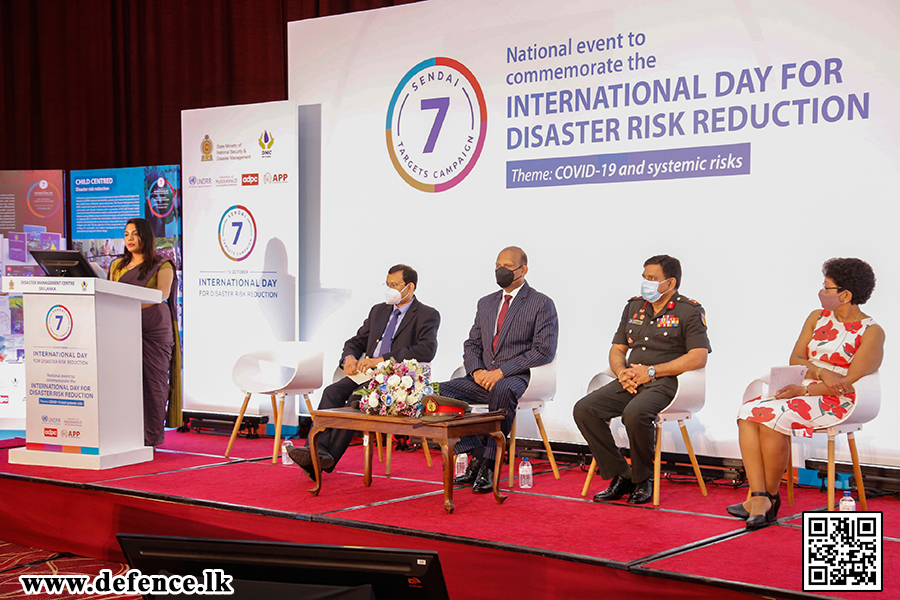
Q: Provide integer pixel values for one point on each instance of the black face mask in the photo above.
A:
(505, 276)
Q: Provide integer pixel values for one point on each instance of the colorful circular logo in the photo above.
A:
(59, 322)
(43, 199)
(436, 124)
(237, 233)
(161, 198)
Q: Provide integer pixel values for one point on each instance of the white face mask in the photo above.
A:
(392, 296)
(650, 290)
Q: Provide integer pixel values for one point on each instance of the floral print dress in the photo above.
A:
(832, 347)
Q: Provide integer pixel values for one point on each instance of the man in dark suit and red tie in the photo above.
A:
(515, 330)
(400, 328)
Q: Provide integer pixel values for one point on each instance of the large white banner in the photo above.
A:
(751, 139)
(240, 246)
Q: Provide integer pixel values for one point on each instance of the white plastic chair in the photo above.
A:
(541, 388)
(284, 369)
(689, 398)
(868, 404)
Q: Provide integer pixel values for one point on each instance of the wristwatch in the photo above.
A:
(651, 371)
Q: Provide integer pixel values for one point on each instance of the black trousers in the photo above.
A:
(638, 411)
(337, 395)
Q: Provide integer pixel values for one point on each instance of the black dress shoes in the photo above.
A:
(484, 483)
(737, 510)
(302, 457)
(618, 487)
(642, 493)
(471, 473)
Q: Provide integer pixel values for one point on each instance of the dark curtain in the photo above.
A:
(101, 83)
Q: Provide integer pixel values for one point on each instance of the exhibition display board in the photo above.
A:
(83, 357)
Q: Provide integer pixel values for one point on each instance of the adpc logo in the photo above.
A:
(265, 142)
(436, 124)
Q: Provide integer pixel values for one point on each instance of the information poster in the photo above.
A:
(240, 246)
(104, 199)
(32, 216)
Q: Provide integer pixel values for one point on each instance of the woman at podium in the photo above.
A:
(140, 265)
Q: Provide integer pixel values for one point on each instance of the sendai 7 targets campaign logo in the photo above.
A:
(436, 124)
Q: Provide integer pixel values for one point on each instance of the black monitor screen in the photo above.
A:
(63, 263)
(268, 570)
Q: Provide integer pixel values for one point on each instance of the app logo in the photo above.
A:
(206, 148)
(265, 142)
(50, 432)
(250, 179)
(237, 233)
(276, 178)
(59, 322)
(436, 124)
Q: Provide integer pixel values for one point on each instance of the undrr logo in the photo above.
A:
(250, 179)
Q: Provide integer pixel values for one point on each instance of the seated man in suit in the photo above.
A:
(515, 329)
(400, 328)
(666, 334)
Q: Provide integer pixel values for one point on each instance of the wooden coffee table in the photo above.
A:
(446, 433)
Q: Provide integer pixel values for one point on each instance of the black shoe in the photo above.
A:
(737, 510)
(471, 473)
(301, 456)
(776, 504)
(618, 487)
(484, 483)
(759, 521)
(643, 492)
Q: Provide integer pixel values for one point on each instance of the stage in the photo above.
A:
(546, 542)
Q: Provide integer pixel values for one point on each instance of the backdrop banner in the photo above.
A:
(241, 246)
(753, 140)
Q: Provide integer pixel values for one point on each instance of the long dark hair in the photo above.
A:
(148, 246)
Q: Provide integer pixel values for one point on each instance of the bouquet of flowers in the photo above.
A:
(396, 389)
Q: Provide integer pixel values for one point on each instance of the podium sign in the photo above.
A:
(83, 357)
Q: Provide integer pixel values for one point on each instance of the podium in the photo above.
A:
(83, 356)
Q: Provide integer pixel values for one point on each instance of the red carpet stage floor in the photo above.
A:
(546, 542)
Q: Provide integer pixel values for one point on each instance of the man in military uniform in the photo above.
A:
(665, 334)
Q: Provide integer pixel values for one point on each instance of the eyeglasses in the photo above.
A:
(825, 287)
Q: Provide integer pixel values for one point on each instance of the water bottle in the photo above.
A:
(285, 446)
(462, 463)
(847, 503)
(525, 474)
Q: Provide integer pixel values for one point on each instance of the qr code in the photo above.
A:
(842, 551)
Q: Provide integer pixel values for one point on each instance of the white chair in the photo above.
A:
(284, 369)
(868, 404)
(338, 375)
(690, 398)
(541, 389)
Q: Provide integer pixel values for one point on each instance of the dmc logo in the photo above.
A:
(50, 432)
(206, 148)
(265, 142)
(276, 178)
(250, 179)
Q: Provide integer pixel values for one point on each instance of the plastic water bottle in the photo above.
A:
(525, 474)
(847, 503)
(285, 446)
(462, 463)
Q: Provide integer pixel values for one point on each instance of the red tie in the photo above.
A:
(502, 316)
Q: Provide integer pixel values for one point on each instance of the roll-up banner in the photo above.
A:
(32, 217)
(103, 200)
(240, 247)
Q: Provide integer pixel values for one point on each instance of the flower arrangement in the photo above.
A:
(396, 389)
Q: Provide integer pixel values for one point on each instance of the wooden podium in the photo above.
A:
(84, 393)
